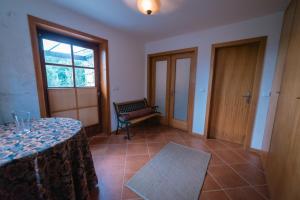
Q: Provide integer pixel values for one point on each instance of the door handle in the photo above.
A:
(247, 96)
(298, 98)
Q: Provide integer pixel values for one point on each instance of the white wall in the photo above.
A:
(18, 89)
(264, 26)
(126, 58)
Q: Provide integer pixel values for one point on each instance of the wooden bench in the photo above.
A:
(133, 112)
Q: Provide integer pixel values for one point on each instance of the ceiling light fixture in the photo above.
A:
(148, 7)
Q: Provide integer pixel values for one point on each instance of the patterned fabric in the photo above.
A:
(18, 180)
(53, 161)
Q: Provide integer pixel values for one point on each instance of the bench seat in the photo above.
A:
(133, 112)
(140, 119)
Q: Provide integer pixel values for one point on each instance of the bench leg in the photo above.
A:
(128, 133)
(117, 128)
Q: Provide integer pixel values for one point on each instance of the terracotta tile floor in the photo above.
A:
(233, 173)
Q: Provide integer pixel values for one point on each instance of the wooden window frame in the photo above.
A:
(73, 42)
(37, 23)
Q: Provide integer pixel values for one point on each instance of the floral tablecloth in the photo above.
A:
(53, 161)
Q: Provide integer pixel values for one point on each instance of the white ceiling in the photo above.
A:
(176, 16)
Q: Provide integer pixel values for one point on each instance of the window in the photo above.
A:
(67, 63)
(70, 71)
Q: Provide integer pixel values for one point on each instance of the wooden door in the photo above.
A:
(181, 90)
(171, 86)
(236, 75)
(282, 53)
(160, 84)
(283, 162)
(71, 73)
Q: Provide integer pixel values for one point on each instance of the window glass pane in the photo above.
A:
(161, 85)
(57, 52)
(83, 57)
(58, 76)
(84, 77)
(182, 89)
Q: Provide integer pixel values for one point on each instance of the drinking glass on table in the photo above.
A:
(22, 120)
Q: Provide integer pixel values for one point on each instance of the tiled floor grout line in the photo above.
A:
(218, 183)
(251, 185)
(254, 187)
(261, 185)
(214, 180)
(228, 188)
(250, 162)
(124, 173)
(213, 149)
(124, 170)
(261, 194)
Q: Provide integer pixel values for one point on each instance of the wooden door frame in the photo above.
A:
(192, 84)
(151, 98)
(37, 23)
(172, 120)
(256, 85)
(65, 39)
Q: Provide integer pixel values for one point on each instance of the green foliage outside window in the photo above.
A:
(59, 76)
(59, 53)
(84, 77)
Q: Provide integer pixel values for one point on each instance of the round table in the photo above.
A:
(53, 161)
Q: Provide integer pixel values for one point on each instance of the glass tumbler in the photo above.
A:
(22, 120)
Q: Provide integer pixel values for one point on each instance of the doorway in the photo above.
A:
(72, 71)
(171, 85)
(234, 89)
(71, 74)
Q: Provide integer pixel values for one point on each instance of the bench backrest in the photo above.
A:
(129, 106)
